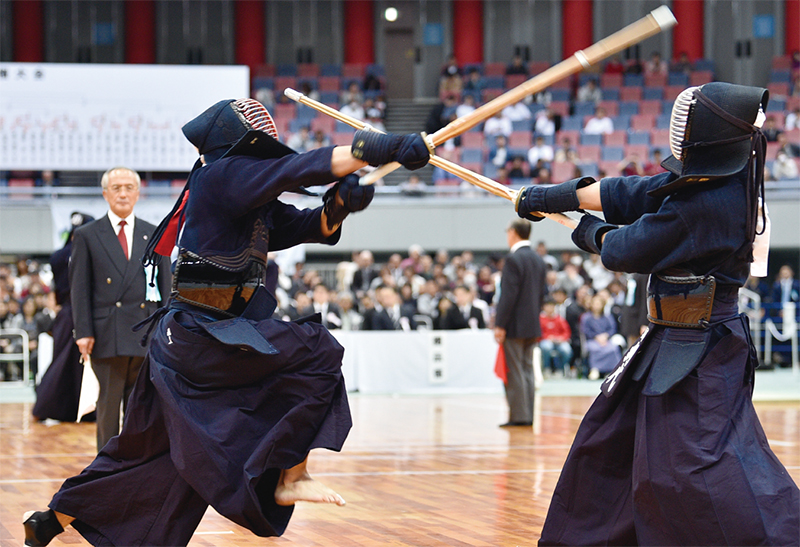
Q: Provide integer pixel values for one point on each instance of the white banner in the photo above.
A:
(63, 116)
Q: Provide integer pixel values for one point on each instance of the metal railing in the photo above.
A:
(22, 356)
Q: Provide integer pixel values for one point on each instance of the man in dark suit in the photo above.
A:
(110, 294)
(522, 289)
(389, 314)
(364, 275)
(330, 313)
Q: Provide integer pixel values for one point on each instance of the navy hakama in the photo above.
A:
(58, 393)
(672, 452)
(211, 424)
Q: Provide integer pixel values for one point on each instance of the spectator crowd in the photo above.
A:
(589, 317)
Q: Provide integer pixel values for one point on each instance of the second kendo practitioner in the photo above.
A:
(229, 402)
(672, 451)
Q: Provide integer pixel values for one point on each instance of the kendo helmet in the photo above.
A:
(232, 126)
(712, 132)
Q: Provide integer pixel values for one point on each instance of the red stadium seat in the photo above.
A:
(671, 92)
(494, 69)
(641, 150)
(562, 171)
(793, 135)
(612, 107)
(643, 122)
(650, 107)
(778, 89)
(783, 62)
(353, 70)
(513, 80)
(264, 71)
(611, 81)
(617, 138)
(329, 83)
(341, 139)
(472, 139)
(659, 137)
(519, 139)
(655, 80)
(537, 67)
(589, 153)
(772, 150)
(326, 124)
(700, 77)
(560, 107)
(282, 82)
(630, 94)
(609, 168)
(308, 70)
(21, 183)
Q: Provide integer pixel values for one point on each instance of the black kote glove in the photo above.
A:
(379, 148)
(589, 233)
(355, 197)
(550, 199)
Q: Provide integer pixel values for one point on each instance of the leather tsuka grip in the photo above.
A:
(374, 148)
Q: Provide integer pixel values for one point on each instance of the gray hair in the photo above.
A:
(107, 176)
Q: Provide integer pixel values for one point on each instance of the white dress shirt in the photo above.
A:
(115, 220)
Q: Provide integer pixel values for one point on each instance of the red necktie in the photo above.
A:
(123, 240)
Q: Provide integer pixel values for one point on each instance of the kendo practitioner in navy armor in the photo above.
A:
(672, 451)
(58, 394)
(229, 402)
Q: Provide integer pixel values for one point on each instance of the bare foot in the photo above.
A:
(292, 489)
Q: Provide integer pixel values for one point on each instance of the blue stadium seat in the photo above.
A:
(780, 76)
(666, 107)
(628, 108)
(591, 140)
(662, 121)
(469, 67)
(535, 108)
(342, 127)
(621, 122)
(261, 82)
(610, 94)
(613, 153)
(560, 94)
(489, 170)
(493, 82)
(305, 113)
(296, 124)
(376, 70)
(581, 108)
(521, 125)
(571, 123)
(286, 70)
(471, 155)
(639, 137)
(653, 93)
(329, 97)
(630, 80)
(589, 170)
(776, 104)
(330, 70)
(704, 64)
(678, 78)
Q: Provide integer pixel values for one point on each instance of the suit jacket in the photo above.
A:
(522, 288)
(454, 319)
(332, 309)
(380, 320)
(108, 292)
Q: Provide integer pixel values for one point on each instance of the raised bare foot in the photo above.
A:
(304, 488)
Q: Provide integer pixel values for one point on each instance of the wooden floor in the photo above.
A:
(416, 471)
